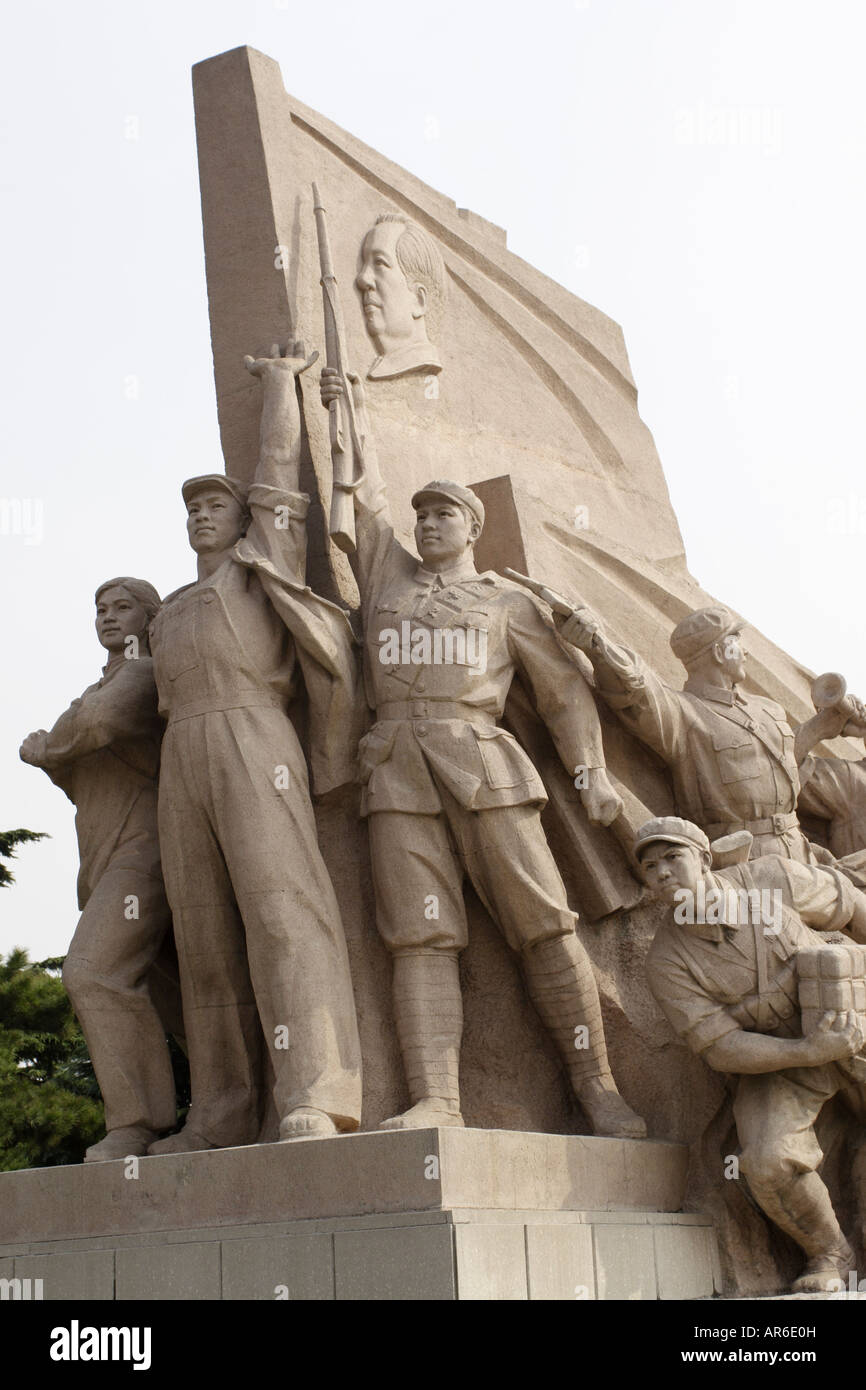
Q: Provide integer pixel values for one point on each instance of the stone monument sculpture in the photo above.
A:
(728, 985)
(104, 753)
(260, 941)
(448, 792)
(542, 465)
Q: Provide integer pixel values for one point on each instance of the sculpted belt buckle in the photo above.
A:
(780, 824)
(420, 709)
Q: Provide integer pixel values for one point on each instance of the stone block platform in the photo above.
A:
(420, 1214)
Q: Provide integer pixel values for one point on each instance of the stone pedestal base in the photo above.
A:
(423, 1214)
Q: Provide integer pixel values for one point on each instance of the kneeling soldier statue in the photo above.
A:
(729, 977)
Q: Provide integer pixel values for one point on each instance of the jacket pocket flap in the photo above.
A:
(374, 749)
(731, 738)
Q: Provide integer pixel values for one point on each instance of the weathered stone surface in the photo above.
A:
(491, 1263)
(684, 1258)
(625, 1263)
(284, 1267)
(420, 1214)
(85, 1275)
(430, 1256)
(162, 1273)
(403, 1171)
(559, 1258)
(408, 1262)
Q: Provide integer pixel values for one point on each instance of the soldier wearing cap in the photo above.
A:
(448, 792)
(257, 924)
(731, 755)
(726, 980)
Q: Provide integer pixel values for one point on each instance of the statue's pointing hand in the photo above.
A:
(294, 361)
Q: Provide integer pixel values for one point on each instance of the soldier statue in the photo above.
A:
(256, 920)
(730, 754)
(447, 792)
(727, 981)
(104, 753)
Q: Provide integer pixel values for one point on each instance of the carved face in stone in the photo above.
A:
(393, 309)
(667, 868)
(443, 531)
(118, 616)
(214, 521)
(732, 656)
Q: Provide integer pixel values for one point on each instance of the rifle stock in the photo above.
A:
(550, 597)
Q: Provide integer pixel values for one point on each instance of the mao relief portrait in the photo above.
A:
(401, 284)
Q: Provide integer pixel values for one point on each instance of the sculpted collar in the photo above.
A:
(429, 578)
(413, 358)
(718, 693)
(111, 667)
(718, 910)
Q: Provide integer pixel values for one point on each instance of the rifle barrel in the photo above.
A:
(343, 430)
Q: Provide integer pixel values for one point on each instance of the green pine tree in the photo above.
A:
(50, 1109)
(50, 1106)
(8, 841)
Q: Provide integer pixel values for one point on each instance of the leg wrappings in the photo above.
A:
(428, 1008)
(562, 987)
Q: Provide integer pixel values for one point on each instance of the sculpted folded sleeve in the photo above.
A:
(123, 706)
(278, 528)
(697, 1020)
(643, 702)
(275, 549)
(829, 787)
(378, 549)
(823, 897)
(562, 697)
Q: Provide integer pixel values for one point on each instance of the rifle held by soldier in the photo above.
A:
(550, 596)
(346, 453)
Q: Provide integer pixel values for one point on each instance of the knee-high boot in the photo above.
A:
(562, 987)
(428, 1009)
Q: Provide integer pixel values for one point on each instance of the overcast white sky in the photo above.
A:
(692, 167)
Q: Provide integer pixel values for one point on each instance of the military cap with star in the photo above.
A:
(454, 492)
(697, 633)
